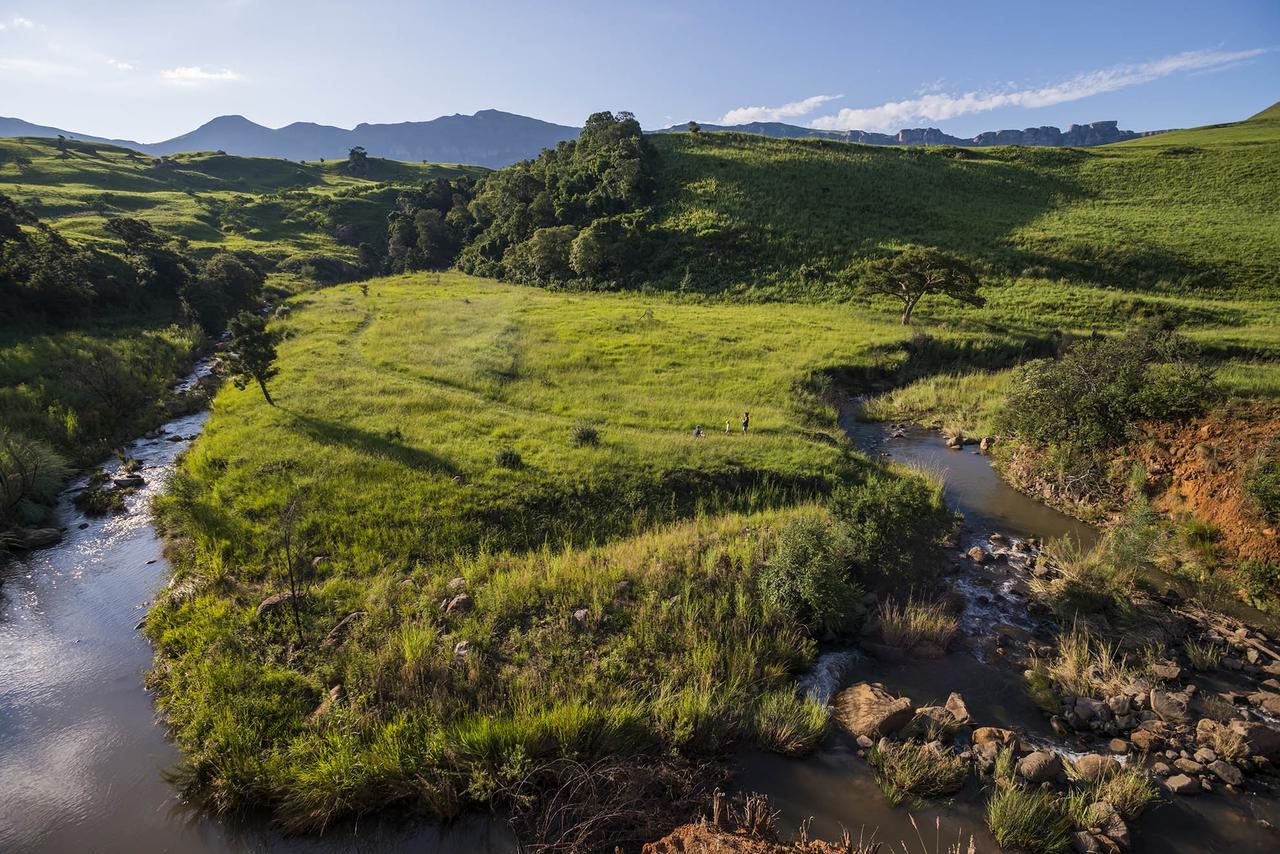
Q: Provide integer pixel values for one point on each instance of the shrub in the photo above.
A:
(1086, 667)
(1259, 578)
(1027, 819)
(584, 435)
(98, 498)
(1129, 791)
(916, 768)
(1089, 398)
(907, 625)
(31, 475)
(788, 723)
(1262, 482)
(895, 525)
(1203, 656)
(508, 458)
(807, 577)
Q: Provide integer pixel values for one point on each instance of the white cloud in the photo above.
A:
(119, 66)
(21, 23)
(940, 107)
(743, 115)
(194, 75)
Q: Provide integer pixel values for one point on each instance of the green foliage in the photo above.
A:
(1089, 398)
(252, 354)
(554, 218)
(788, 723)
(808, 576)
(914, 273)
(894, 526)
(225, 284)
(1028, 819)
(584, 436)
(1262, 481)
(31, 475)
(1259, 580)
(914, 768)
(508, 458)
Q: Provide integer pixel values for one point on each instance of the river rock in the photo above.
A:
(274, 601)
(1084, 842)
(1171, 708)
(883, 652)
(460, 604)
(1226, 772)
(334, 695)
(1268, 701)
(956, 706)
(1040, 767)
(1146, 740)
(37, 538)
(1188, 766)
(1261, 739)
(339, 632)
(985, 735)
(1181, 784)
(978, 555)
(1118, 746)
(1166, 671)
(128, 481)
(1094, 767)
(868, 709)
(456, 585)
(1204, 755)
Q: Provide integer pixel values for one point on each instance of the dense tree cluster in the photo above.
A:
(573, 213)
(42, 274)
(429, 226)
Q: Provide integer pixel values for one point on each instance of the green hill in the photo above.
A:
(1189, 210)
(217, 201)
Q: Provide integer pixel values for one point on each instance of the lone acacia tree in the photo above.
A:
(918, 271)
(253, 352)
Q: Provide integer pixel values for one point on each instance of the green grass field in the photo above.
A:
(1192, 211)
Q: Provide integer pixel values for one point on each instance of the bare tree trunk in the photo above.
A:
(262, 385)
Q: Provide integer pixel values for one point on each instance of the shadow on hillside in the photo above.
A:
(367, 442)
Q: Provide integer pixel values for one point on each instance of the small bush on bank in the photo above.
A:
(31, 474)
(1129, 791)
(584, 435)
(1262, 482)
(1028, 819)
(1203, 656)
(790, 724)
(895, 526)
(916, 768)
(508, 458)
(1259, 579)
(808, 576)
(905, 625)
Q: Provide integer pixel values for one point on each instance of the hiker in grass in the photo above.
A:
(746, 421)
(697, 432)
(727, 426)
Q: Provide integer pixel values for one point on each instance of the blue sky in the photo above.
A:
(150, 70)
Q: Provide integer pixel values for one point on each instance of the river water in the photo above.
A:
(81, 754)
(834, 788)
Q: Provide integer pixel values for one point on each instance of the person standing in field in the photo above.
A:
(727, 428)
(746, 421)
(697, 432)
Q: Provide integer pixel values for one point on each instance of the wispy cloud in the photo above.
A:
(940, 107)
(743, 115)
(119, 66)
(20, 23)
(194, 75)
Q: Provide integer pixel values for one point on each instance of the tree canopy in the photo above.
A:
(918, 271)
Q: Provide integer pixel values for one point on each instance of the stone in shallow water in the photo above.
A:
(1181, 784)
(868, 709)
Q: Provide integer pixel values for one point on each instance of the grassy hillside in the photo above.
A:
(1187, 211)
(216, 201)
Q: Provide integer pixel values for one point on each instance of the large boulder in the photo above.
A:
(994, 735)
(1261, 739)
(868, 709)
(1226, 772)
(1169, 707)
(1094, 767)
(37, 538)
(1040, 767)
(1181, 784)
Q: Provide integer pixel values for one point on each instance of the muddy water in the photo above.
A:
(81, 755)
(834, 789)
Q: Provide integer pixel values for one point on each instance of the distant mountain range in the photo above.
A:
(494, 138)
(1095, 133)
